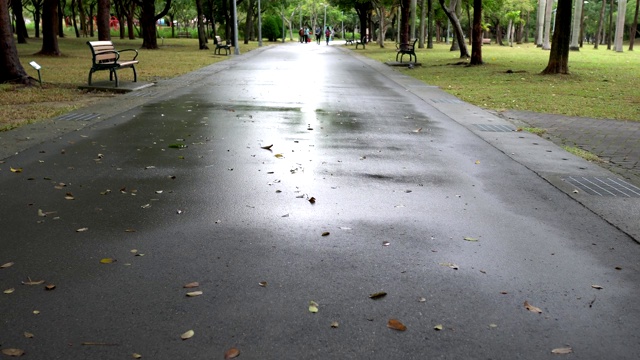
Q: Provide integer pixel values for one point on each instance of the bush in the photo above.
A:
(271, 28)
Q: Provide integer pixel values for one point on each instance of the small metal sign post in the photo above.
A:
(37, 67)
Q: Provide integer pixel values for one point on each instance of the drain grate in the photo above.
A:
(447, 101)
(78, 117)
(494, 128)
(604, 186)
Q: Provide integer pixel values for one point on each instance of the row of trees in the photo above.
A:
(507, 21)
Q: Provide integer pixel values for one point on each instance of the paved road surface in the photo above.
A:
(458, 227)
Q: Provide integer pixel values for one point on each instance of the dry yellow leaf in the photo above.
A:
(82, 229)
(28, 335)
(194, 293)
(107, 260)
(279, 156)
(191, 285)
(566, 350)
(136, 356)
(438, 327)
(4, 266)
(597, 287)
(378, 295)
(187, 335)
(334, 324)
(396, 325)
(313, 307)
(36, 312)
(13, 352)
(15, 170)
(532, 308)
(33, 282)
(231, 353)
(9, 291)
(263, 283)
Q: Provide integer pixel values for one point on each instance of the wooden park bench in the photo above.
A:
(106, 57)
(407, 49)
(486, 41)
(219, 45)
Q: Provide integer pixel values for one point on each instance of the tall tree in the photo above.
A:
(540, 22)
(148, 18)
(10, 68)
(50, 28)
(634, 27)
(21, 27)
(559, 56)
(622, 8)
(451, 14)
(202, 36)
(577, 21)
(546, 38)
(36, 12)
(598, 38)
(103, 18)
(476, 34)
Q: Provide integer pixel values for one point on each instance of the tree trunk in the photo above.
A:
(148, 20)
(49, 28)
(103, 18)
(476, 34)
(130, 24)
(622, 8)
(575, 32)
(60, 23)
(10, 68)
(423, 17)
(248, 26)
(464, 53)
(559, 56)
(21, 27)
(202, 35)
(634, 27)
(83, 18)
(362, 9)
(430, 25)
(405, 7)
(600, 24)
(542, 4)
(382, 26)
(546, 44)
(73, 15)
(610, 32)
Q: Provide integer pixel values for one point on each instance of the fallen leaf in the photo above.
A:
(493, 326)
(11, 351)
(597, 287)
(313, 307)
(477, 162)
(312, 200)
(36, 312)
(279, 156)
(146, 206)
(187, 335)
(438, 327)
(422, 299)
(334, 324)
(378, 295)
(396, 325)
(136, 356)
(231, 353)
(268, 147)
(566, 350)
(191, 285)
(386, 243)
(129, 230)
(9, 291)
(451, 265)
(28, 335)
(33, 282)
(69, 196)
(417, 130)
(618, 268)
(107, 260)
(49, 287)
(532, 308)
(470, 239)
(177, 146)
(6, 265)
(106, 192)
(194, 293)
(326, 233)
(82, 229)
(263, 283)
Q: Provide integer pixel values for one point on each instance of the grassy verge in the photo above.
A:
(62, 75)
(602, 83)
(583, 154)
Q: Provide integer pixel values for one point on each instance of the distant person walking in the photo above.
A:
(327, 35)
(301, 33)
(318, 34)
(306, 35)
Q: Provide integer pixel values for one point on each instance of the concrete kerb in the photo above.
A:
(541, 156)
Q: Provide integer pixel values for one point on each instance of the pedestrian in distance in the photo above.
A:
(301, 33)
(327, 35)
(318, 34)
(306, 35)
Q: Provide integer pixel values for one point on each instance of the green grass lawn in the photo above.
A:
(602, 83)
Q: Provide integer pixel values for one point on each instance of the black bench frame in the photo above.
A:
(362, 41)
(407, 49)
(219, 45)
(106, 57)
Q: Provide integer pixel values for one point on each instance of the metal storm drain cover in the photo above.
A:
(494, 128)
(604, 186)
(78, 116)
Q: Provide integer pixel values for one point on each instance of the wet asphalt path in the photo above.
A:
(393, 206)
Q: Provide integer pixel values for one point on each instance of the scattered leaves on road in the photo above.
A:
(6, 265)
(326, 233)
(438, 327)
(28, 335)
(451, 265)
(33, 282)
(187, 335)
(378, 295)
(10, 291)
(231, 353)
(12, 351)
(561, 351)
(136, 356)
(532, 308)
(334, 324)
(191, 285)
(107, 261)
(396, 325)
(313, 306)
(598, 287)
(467, 238)
(263, 283)
(194, 293)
